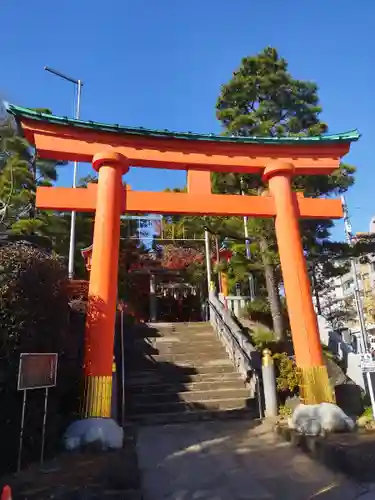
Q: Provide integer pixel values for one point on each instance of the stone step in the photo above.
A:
(157, 329)
(152, 378)
(174, 370)
(173, 340)
(192, 358)
(151, 348)
(191, 396)
(177, 347)
(151, 345)
(172, 334)
(180, 326)
(220, 383)
(183, 406)
(249, 413)
(174, 366)
(181, 373)
(187, 334)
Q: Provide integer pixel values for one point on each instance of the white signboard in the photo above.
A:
(367, 363)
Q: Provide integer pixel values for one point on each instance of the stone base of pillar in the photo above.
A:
(315, 387)
(97, 397)
(317, 420)
(99, 433)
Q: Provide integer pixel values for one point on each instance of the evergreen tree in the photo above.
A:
(21, 173)
(263, 99)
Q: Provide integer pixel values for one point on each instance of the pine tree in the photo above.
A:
(21, 173)
(263, 99)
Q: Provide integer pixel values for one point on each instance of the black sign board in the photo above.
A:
(37, 371)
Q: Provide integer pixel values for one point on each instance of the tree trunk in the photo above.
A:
(316, 292)
(272, 292)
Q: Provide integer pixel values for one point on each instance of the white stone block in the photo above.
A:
(104, 432)
(314, 420)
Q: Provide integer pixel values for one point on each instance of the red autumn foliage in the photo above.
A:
(180, 257)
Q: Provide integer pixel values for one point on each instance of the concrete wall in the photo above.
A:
(343, 350)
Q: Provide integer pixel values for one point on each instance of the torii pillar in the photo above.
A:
(101, 313)
(314, 381)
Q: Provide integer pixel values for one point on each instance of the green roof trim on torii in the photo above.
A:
(19, 112)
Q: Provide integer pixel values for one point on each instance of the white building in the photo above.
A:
(339, 295)
(338, 319)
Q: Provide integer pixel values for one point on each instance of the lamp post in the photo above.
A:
(248, 251)
(77, 110)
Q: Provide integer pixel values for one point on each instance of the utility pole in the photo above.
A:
(248, 250)
(357, 293)
(358, 300)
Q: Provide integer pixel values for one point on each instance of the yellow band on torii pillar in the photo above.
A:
(97, 396)
(315, 385)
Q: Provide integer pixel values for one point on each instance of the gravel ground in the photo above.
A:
(82, 476)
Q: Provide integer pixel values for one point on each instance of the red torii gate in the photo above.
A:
(113, 149)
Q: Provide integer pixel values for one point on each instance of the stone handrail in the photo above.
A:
(240, 350)
(235, 303)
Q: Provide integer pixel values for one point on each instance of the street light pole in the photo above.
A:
(248, 251)
(77, 111)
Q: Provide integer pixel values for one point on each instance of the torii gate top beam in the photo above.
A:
(62, 138)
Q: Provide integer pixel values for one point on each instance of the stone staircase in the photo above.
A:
(180, 372)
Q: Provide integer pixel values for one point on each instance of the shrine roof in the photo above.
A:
(27, 114)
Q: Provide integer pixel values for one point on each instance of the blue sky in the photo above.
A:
(160, 64)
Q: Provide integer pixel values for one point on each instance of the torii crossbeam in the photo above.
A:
(113, 149)
(192, 203)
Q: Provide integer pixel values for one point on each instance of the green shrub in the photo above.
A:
(262, 336)
(35, 317)
(367, 412)
(285, 411)
(259, 310)
(287, 379)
